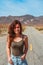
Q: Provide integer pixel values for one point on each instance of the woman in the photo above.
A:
(17, 44)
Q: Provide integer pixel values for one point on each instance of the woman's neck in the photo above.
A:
(18, 35)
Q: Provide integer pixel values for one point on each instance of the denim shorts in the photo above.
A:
(18, 61)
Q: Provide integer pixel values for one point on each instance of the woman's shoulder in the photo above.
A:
(24, 36)
(9, 38)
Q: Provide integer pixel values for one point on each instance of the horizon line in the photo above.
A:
(20, 15)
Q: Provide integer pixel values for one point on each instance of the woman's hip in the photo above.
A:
(18, 61)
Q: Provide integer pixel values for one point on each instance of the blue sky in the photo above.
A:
(21, 7)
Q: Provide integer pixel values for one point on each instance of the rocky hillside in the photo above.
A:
(25, 19)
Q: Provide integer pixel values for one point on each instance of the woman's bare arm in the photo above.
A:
(26, 48)
(8, 47)
(26, 45)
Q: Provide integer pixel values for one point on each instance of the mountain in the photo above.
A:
(25, 19)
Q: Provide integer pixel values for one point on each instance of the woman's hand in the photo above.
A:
(23, 56)
(10, 61)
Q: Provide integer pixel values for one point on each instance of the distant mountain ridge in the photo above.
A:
(25, 19)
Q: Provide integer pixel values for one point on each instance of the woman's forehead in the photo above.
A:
(17, 25)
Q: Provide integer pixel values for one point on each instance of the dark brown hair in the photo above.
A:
(12, 26)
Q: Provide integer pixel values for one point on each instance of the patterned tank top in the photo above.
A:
(17, 48)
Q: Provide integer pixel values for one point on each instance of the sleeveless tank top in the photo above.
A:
(17, 48)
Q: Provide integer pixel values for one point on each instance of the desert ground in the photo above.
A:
(35, 50)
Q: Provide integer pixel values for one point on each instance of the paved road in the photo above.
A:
(35, 38)
(35, 53)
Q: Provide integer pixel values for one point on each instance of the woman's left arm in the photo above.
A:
(26, 47)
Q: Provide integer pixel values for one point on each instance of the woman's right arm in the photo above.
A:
(8, 49)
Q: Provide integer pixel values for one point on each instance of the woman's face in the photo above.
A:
(17, 29)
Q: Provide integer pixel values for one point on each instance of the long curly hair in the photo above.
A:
(12, 26)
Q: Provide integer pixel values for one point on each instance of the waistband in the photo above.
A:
(14, 56)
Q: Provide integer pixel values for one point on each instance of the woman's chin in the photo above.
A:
(17, 32)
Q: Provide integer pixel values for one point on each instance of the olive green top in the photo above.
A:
(17, 47)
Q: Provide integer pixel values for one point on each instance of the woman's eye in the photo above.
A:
(17, 27)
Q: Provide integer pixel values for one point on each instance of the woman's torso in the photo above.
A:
(17, 48)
